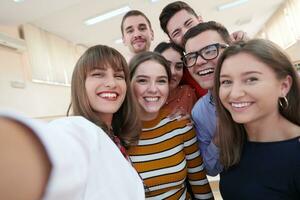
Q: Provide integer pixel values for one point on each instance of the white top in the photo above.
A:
(86, 164)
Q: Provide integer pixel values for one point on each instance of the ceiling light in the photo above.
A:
(153, 1)
(107, 15)
(231, 4)
(18, 1)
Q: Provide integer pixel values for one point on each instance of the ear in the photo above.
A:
(123, 40)
(286, 85)
(152, 35)
(200, 18)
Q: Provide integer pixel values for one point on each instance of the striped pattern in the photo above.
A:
(166, 155)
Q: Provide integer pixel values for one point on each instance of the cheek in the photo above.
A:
(222, 95)
(136, 90)
(165, 90)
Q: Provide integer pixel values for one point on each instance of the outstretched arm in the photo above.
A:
(25, 167)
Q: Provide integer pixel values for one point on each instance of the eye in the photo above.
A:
(251, 80)
(120, 76)
(142, 81)
(162, 81)
(179, 66)
(225, 82)
(97, 73)
(175, 34)
(142, 28)
(129, 31)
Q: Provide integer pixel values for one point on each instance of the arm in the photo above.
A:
(196, 172)
(209, 151)
(25, 167)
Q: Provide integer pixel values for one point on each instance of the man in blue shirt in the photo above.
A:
(203, 45)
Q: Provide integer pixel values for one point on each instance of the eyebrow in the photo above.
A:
(243, 74)
(145, 76)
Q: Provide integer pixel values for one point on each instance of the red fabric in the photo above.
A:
(117, 141)
(188, 79)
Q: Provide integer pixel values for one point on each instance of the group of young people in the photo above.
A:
(131, 136)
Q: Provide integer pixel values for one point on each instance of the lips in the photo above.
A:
(108, 95)
(206, 72)
(151, 99)
(240, 106)
(138, 41)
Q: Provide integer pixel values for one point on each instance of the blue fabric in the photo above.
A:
(204, 117)
(267, 170)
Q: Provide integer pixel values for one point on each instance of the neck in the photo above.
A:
(145, 116)
(271, 129)
(107, 119)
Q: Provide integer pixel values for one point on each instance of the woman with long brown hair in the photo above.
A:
(78, 157)
(257, 97)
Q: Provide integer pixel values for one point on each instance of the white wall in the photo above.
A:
(35, 100)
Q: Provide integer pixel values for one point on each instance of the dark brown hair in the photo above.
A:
(125, 123)
(133, 13)
(205, 26)
(233, 135)
(145, 56)
(170, 10)
(163, 46)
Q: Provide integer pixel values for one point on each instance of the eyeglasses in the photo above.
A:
(207, 53)
(177, 65)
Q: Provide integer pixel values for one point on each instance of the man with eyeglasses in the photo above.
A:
(203, 45)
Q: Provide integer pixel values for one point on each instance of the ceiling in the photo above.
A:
(65, 17)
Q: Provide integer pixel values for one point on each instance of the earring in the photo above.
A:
(283, 102)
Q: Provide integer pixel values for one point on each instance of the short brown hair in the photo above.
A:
(133, 13)
(125, 123)
(170, 10)
(205, 26)
(233, 135)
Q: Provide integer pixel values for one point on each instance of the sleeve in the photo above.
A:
(209, 151)
(196, 172)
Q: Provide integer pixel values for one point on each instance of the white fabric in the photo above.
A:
(86, 164)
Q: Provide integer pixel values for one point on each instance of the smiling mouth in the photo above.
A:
(240, 105)
(108, 95)
(151, 99)
(206, 72)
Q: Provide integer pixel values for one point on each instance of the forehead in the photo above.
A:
(202, 40)
(150, 68)
(171, 54)
(134, 21)
(243, 63)
(177, 20)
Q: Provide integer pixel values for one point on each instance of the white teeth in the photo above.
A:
(151, 99)
(240, 105)
(108, 95)
(205, 72)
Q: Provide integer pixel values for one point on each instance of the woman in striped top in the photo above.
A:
(167, 153)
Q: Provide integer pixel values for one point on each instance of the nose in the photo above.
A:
(172, 68)
(152, 87)
(237, 91)
(200, 61)
(110, 82)
(136, 33)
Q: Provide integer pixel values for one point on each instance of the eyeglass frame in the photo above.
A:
(198, 53)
